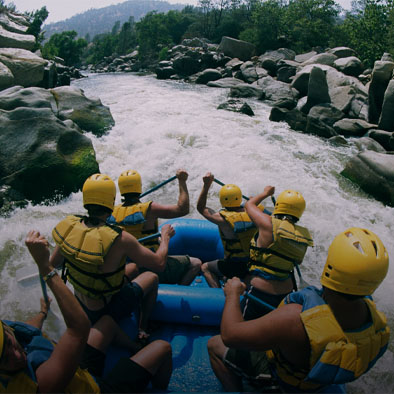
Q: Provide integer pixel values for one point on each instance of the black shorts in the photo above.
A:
(230, 268)
(125, 377)
(252, 309)
(122, 304)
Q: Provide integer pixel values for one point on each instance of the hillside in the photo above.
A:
(102, 20)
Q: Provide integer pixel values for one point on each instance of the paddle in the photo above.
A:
(158, 186)
(252, 297)
(246, 198)
(44, 289)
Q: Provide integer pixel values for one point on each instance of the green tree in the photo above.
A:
(309, 23)
(127, 38)
(66, 46)
(367, 28)
(38, 18)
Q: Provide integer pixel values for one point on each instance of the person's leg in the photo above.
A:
(210, 272)
(131, 271)
(157, 359)
(194, 269)
(106, 332)
(217, 351)
(149, 282)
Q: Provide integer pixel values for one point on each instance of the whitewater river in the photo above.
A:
(162, 126)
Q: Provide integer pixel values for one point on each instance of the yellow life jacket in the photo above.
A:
(84, 249)
(132, 219)
(38, 350)
(337, 357)
(244, 229)
(288, 248)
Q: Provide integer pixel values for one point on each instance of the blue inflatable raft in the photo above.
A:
(189, 315)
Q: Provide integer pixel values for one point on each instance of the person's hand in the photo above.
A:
(182, 175)
(39, 249)
(167, 231)
(45, 305)
(208, 179)
(234, 286)
(269, 190)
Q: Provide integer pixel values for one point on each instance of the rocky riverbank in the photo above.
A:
(44, 153)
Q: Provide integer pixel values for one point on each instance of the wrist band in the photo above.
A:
(49, 276)
(44, 313)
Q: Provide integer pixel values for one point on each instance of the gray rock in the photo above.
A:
(381, 75)
(12, 25)
(349, 65)
(236, 48)
(338, 140)
(382, 137)
(40, 157)
(327, 59)
(352, 127)
(386, 120)
(26, 67)
(33, 97)
(226, 83)
(237, 106)
(342, 52)
(294, 118)
(208, 75)
(235, 64)
(321, 118)
(366, 143)
(374, 173)
(6, 77)
(246, 90)
(317, 89)
(303, 57)
(88, 113)
(276, 90)
(15, 40)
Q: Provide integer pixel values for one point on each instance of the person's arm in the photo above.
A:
(38, 319)
(144, 257)
(260, 219)
(205, 211)
(57, 259)
(54, 374)
(173, 211)
(279, 328)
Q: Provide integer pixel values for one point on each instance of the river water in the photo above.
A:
(164, 125)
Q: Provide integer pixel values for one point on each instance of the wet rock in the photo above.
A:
(237, 106)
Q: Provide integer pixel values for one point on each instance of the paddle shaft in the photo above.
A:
(261, 302)
(44, 289)
(147, 238)
(246, 198)
(158, 186)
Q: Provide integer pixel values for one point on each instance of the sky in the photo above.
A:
(63, 9)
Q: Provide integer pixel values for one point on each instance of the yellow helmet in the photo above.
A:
(230, 196)
(291, 203)
(130, 182)
(1, 339)
(357, 262)
(99, 189)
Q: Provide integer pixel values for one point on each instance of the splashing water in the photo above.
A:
(162, 126)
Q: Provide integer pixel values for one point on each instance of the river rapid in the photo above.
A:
(164, 125)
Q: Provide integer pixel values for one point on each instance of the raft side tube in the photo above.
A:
(189, 305)
(196, 238)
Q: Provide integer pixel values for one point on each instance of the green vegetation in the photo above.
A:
(300, 25)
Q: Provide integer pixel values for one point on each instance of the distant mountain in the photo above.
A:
(101, 20)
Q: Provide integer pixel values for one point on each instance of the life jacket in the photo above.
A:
(238, 249)
(337, 357)
(288, 248)
(38, 350)
(84, 249)
(132, 219)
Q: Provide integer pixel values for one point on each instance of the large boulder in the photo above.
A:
(276, 91)
(349, 65)
(374, 173)
(236, 48)
(26, 67)
(33, 97)
(6, 77)
(352, 127)
(210, 74)
(13, 23)
(10, 39)
(317, 89)
(381, 76)
(386, 120)
(321, 119)
(40, 156)
(88, 113)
